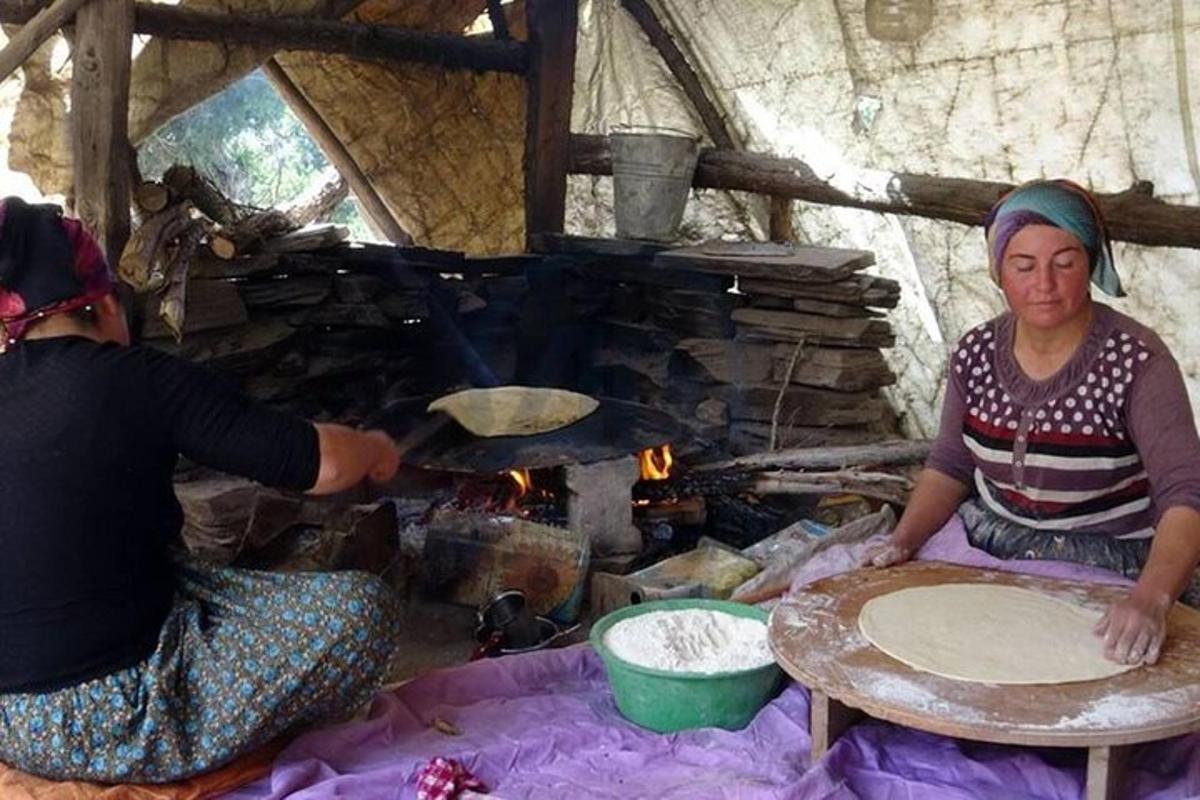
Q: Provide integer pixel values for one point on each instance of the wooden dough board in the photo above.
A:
(815, 638)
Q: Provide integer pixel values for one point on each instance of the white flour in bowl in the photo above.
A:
(690, 640)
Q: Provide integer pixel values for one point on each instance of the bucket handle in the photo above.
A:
(628, 128)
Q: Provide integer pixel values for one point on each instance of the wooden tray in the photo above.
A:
(815, 638)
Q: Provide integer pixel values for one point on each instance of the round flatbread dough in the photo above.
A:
(988, 634)
(515, 410)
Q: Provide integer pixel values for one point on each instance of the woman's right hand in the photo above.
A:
(886, 553)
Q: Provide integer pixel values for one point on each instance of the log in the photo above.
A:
(151, 196)
(368, 42)
(780, 227)
(681, 68)
(889, 453)
(879, 485)
(1133, 215)
(376, 211)
(100, 121)
(141, 264)
(857, 290)
(499, 21)
(248, 233)
(36, 31)
(758, 324)
(186, 182)
(319, 200)
(314, 237)
(549, 90)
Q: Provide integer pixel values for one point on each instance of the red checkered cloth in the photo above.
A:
(444, 779)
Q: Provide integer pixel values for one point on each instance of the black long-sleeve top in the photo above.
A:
(89, 437)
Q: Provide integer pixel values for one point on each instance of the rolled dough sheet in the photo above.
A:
(988, 634)
(515, 410)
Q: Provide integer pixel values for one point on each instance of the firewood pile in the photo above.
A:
(299, 317)
(790, 357)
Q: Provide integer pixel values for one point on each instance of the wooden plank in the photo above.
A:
(300, 290)
(376, 211)
(861, 290)
(642, 273)
(845, 369)
(549, 89)
(827, 309)
(1106, 769)
(801, 405)
(31, 36)
(1133, 215)
(722, 361)
(830, 719)
(769, 260)
(782, 326)
(208, 305)
(100, 121)
(548, 242)
(750, 438)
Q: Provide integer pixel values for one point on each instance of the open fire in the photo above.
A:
(655, 463)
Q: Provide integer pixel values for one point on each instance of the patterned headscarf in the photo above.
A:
(48, 265)
(1062, 204)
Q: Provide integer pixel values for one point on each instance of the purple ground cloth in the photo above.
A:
(544, 725)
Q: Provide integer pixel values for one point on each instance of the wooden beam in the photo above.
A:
(681, 68)
(31, 36)
(780, 228)
(552, 29)
(373, 42)
(499, 21)
(100, 121)
(376, 210)
(1134, 215)
(370, 42)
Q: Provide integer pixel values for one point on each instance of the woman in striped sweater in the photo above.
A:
(1066, 431)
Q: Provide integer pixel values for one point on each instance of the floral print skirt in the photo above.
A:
(242, 657)
(1006, 539)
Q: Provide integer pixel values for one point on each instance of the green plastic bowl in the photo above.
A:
(675, 701)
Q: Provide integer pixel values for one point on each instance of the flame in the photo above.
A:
(655, 463)
(523, 480)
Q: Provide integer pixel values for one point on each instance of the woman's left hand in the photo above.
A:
(1134, 627)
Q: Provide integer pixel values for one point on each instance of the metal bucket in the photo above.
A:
(652, 176)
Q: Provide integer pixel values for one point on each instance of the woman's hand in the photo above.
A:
(1135, 627)
(886, 553)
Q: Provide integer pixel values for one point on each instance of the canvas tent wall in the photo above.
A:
(1103, 93)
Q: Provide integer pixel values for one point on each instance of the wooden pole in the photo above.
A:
(681, 68)
(549, 88)
(1132, 216)
(100, 121)
(31, 36)
(374, 42)
(499, 21)
(376, 210)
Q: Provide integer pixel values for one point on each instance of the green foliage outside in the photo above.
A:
(248, 142)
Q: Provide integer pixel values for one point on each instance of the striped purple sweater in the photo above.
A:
(1104, 446)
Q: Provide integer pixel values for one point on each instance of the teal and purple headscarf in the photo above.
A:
(1062, 204)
